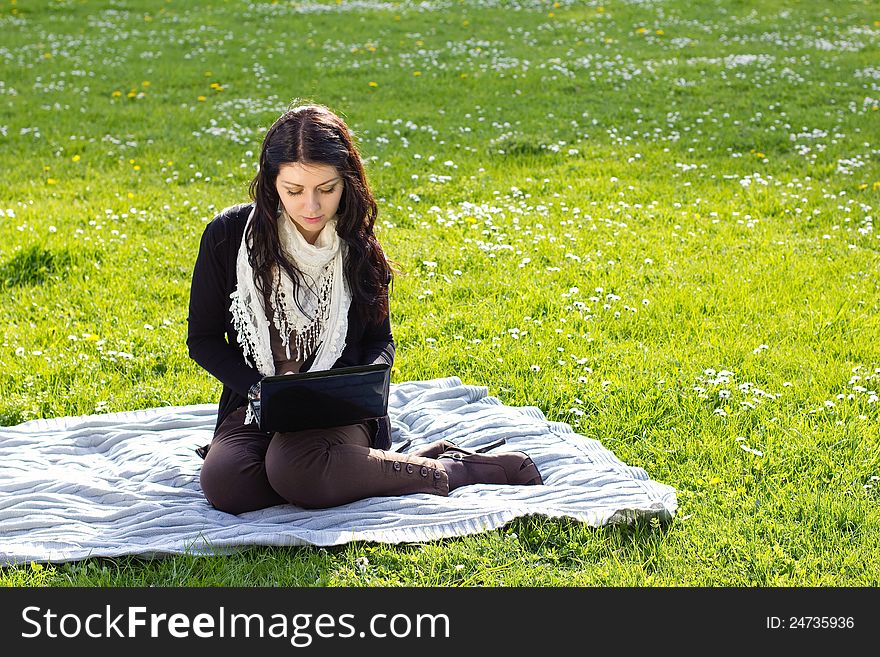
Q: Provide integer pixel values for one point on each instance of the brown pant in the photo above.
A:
(247, 469)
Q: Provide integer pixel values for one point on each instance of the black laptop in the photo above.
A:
(326, 398)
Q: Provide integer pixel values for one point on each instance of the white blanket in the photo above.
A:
(128, 483)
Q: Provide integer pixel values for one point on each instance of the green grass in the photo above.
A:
(641, 197)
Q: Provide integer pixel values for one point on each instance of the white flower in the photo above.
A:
(750, 450)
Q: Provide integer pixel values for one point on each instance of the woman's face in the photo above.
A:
(310, 194)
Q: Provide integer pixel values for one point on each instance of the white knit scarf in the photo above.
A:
(323, 294)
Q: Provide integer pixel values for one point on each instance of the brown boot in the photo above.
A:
(507, 468)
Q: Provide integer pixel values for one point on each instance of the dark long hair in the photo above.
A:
(312, 134)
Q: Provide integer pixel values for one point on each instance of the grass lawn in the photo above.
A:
(653, 220)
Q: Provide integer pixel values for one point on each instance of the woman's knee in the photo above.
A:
(313, 469)
(230, 488)
(300, 484)
(218, 494)
(312, 478)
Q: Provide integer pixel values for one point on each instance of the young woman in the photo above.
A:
(297, 281)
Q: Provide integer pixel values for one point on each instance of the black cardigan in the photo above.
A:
(213, 342)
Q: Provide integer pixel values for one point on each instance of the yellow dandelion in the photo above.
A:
(465, 23)
(90, 337)
(374, 84)
(131, 161)
(51, 181)
(75, 158)
(760, 155)
(117, 93)
(417, 73)
(641, 30)
(551, 14)
(130, 195)
(863, 186)
(137, 167)
(876, 185)
(132, 94)
(659, 32)
(600, 10)
(169, 162)
(46, 167)
(47, 55)
(201, 99)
